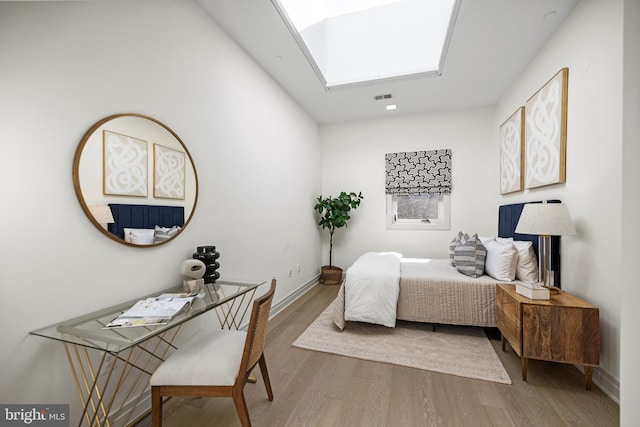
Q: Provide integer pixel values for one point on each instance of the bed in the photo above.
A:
(433, 290)
(145, 224)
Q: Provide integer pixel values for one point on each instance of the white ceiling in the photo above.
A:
(493, 40)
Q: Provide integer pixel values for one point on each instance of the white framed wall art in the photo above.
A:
(546, 133)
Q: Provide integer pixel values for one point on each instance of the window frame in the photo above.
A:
(444, 212)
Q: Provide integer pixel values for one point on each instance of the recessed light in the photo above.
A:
(391, 107)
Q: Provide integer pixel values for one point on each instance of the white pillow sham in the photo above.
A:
(485, 239)
(504, 240)
(139, 236)
(527, 269)
(502, 260)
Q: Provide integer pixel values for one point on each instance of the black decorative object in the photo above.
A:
(208, 255)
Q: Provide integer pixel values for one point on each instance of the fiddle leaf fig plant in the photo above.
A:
(334, 212)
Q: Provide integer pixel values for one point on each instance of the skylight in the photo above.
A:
(355, 41)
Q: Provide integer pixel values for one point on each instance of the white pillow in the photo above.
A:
(484, 240)
(501, 261)
(527, 269)
(139, 236)
(504, 240)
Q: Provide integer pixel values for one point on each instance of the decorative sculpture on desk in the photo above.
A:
(208, 255)
(194, 269)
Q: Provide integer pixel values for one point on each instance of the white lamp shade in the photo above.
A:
(545, 219)
(102, 214)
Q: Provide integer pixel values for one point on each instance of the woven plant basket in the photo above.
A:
(330, 275)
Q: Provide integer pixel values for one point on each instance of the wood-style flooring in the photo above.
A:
(320, 389)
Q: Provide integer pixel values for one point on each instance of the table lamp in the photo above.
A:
(102, 214)
(545, 220)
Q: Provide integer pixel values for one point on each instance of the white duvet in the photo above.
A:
(372, 286)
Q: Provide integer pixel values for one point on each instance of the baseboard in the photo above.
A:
(286, 301)
(297, 293)
(609, 385)
(131, 413)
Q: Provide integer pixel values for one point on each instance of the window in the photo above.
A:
(353, 41)
(418, 212)
(418, 187)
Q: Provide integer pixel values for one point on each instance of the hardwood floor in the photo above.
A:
(320, 389)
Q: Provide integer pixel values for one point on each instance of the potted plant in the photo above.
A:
(334, 213)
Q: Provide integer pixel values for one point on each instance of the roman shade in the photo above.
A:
(418, 172)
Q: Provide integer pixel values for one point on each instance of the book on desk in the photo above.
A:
(153, 311)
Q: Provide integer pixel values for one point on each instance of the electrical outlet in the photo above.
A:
(290, 271)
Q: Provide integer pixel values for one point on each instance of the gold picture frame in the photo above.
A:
(546, 133)
(124, 165)
(512, 153)
(168, 173)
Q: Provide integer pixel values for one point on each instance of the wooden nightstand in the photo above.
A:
(562, 329)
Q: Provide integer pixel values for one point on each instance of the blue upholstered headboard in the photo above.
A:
(508, 216)
(144, 216)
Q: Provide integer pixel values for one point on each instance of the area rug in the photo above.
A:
(456, 350)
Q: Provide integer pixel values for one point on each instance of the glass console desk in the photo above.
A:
(112, 366)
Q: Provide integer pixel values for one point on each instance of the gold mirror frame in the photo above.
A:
(94, 136)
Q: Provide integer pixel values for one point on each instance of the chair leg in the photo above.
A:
(241, 407)
(265, 376)
(156, 407)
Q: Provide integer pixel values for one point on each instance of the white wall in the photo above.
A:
(630, 315)
(353, 160)
(65, 65)
(589, 42)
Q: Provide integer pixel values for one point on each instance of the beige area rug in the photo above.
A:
(456, 350)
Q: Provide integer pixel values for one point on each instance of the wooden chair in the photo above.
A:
(216, 364)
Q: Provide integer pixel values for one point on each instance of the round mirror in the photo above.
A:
(135, 180)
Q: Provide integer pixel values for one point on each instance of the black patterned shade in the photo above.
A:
(418, 172)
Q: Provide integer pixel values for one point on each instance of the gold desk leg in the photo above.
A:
(98, 388)
(76, 377)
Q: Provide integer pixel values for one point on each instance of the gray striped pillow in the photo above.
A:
(470, 256)
(162, 234)
(460, 238)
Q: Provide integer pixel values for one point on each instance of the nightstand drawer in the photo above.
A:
(561, 334)
(508, 319)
